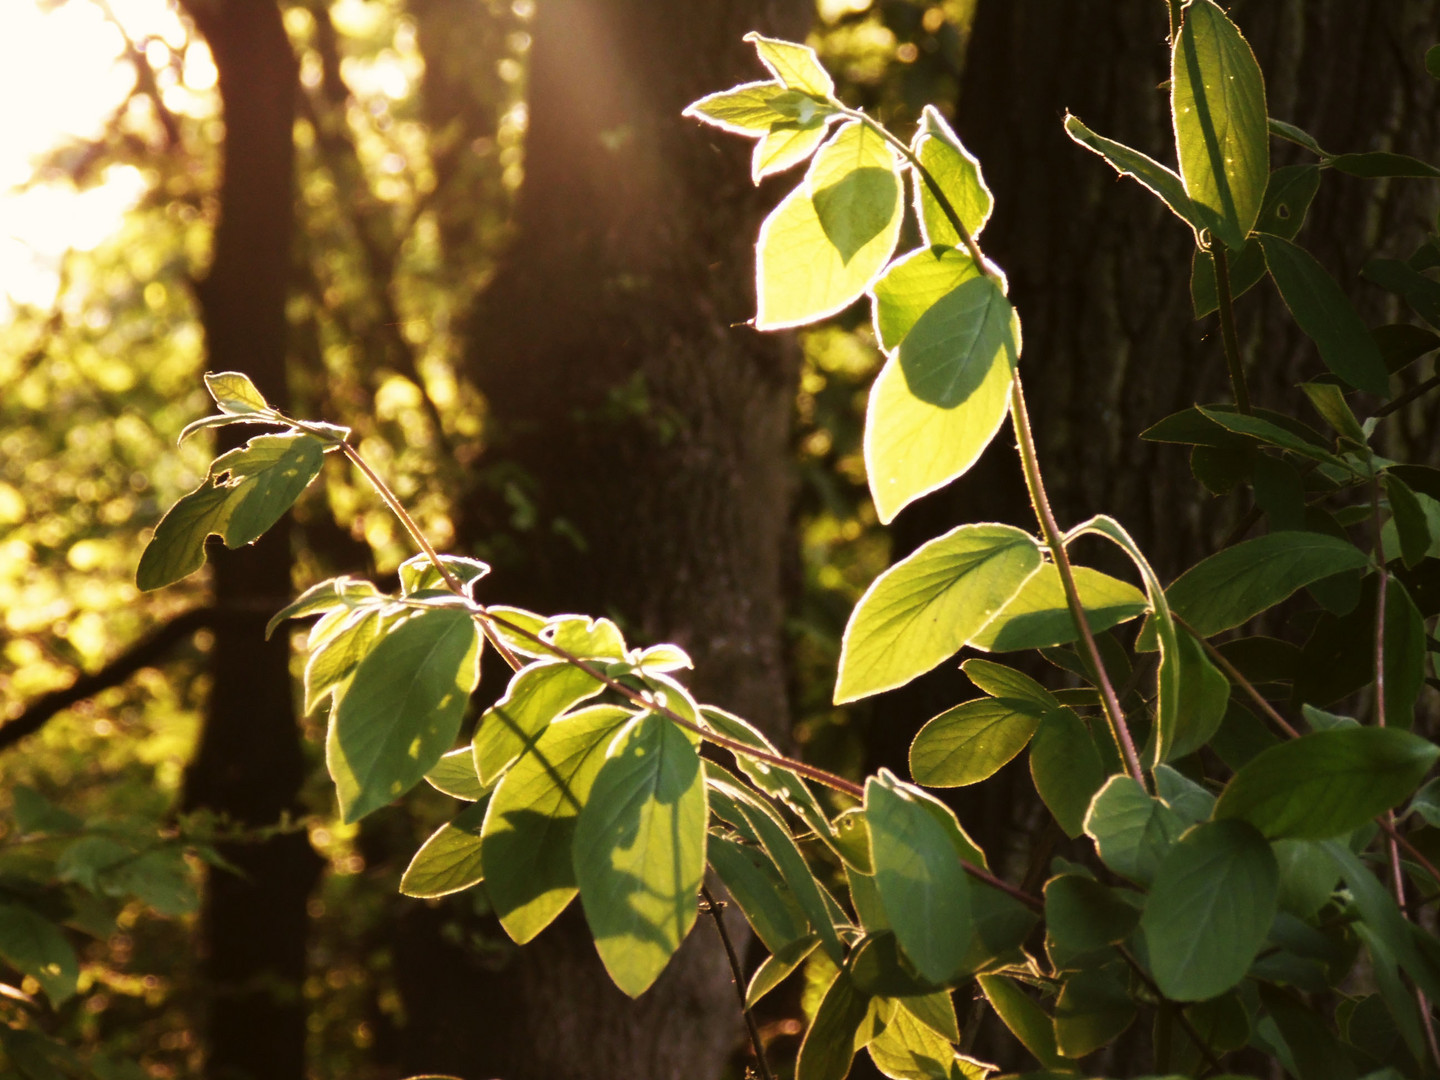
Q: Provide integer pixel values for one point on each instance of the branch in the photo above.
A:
(715, 908)
(143, 654)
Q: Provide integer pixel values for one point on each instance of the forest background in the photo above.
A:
(481, 234)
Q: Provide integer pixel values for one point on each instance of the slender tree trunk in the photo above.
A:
(249, 765)
(644, 436)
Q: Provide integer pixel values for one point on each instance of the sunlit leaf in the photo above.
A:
(972, 741)
(235, 393)
(1039, 617)
(1162, 182)
(796, 66)
(450, 860)
(911, 285)
(925, 607)
(1132, 830)
(957, 173)
(537, 694)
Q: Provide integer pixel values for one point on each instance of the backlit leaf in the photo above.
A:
(957, 173)
(829, 1044)
(1066, 768)
(235, 393)
(450, 860)
(972, 741)
(820, 249)
(911, 285)
(1025, 1019)
(402, 710)
(1164, 183)
(796, 66)
(639, 850)
(537, 694)
(1217, 100)
(1038, 616)
(925, 607)
(941, 396)
(1132, 830)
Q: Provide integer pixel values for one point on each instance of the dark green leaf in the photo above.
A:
(1379, 163)
(1066, 768)
(1401, 344)
(921, 880)
(1263, 430)
(1203, 694)
(1083, 917)
(530, 829)
(1039, 617)
(537, 694)
(1025, 1019)
(1327, 783)
(38, 948)
(1410, 525)
(829, 1045)
(1209, 909)
(755, 884)
(450, 860)
(1432, 61)
(1383, 918)
(1307, 877)
(1404, 655)
(1421, 293)
(1283, 130)
(1217, 97)
(1132, 831)
(263, 479)
(1323, 311)
(402, 710)
(1233, 586)
(924, 608)
(177, 549)
(640, 850)
(1094, 1007)
(972, 741)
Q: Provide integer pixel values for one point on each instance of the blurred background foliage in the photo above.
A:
(401, 221)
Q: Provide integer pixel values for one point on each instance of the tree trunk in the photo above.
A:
(249, 765)
(644, 437)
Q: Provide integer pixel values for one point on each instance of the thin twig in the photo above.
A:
(1176, 1011)
(1239, 680)
(1408, 396)
(1231, 342)
(715, 909)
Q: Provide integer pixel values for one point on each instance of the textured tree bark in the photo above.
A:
(249, 765)
(645, 442)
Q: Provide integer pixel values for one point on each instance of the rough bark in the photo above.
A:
(644, 441)
(249, 765)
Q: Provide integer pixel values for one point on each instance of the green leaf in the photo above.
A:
(1202, 696)
(769, 831)
(177, 549)
(1327, 783)
(528, 834)
(1405, 648)
(1083, 917)
(785, 146)
(820, 249)
(1307, 877)
(910, 1050)
(455, 775)
(829, 1044)
(330, 595)
(755, 108)
(402, 710)
(1420, 292)
(1132, 831)
(1066, 768)
(1191, 802)
(1383, 918)
(1257, 427)
(450, 860)
(921, 880)
(1094, 1008)
(957, 173)
(796, 66)
(1038, 616)
(584, 637)
(1324, 312)
(537, 694)
(1329, 401)
(775, 969)
(1379, 163)
(516, 642)
(418, 573)
(925, 607)
(1411, 527)
(1025, 1019)
(1234, 585)
(1288, 195)
(1000, 681)
(1432, 61)
(941, 396)
(37, 947)
(235, 393)
(639, 850)
(911, 286)
(972, 741)
(1162, 182)
(1217, 101)
(1210, 909)
(1289, 132)
(335, 657)
(779, 783)
(756, 885)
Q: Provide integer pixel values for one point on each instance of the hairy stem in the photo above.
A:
(1114, 716)
(1227, 327)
